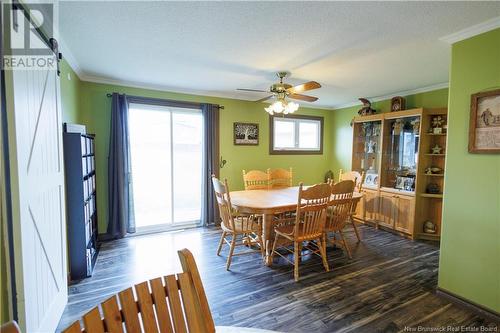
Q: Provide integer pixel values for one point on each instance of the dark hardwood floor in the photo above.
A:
(389, 284)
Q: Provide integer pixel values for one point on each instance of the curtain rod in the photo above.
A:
(137, 98)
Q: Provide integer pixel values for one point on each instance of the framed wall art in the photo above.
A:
(246, 134)
(484, 125)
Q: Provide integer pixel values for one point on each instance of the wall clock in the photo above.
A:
(398, 103)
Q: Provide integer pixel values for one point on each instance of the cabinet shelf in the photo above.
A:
(437, 155)
(81, 210)
(428, 195)
(436, 134)
(423, 235)
(434, 174)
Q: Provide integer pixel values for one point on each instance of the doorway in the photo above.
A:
(166, 147)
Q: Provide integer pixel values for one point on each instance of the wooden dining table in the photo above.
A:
(268, 203)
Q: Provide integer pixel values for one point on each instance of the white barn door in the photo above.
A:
(36, 157)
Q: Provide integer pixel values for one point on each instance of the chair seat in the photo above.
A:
(243, 225)
(287, 232)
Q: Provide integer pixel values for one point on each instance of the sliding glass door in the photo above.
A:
(166, 155)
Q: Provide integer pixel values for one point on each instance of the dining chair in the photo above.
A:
(339, 211)
(173, 303)
(308, 226)
(256, 180)
(246, 227)
(10, 327)
(280, 178)
(358, 179)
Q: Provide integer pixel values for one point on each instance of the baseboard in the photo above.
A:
(462, 302)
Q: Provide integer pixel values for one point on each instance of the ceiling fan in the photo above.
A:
(284, 90)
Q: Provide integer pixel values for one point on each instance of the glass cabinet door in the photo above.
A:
(399, 164)
(367, 150)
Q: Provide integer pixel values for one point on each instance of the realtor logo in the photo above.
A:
(26, 48)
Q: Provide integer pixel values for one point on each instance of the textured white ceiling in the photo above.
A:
(354, 49)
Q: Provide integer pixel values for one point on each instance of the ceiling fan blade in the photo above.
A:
(303, 97)
(254, 90)
(264, 99)
(304, 87)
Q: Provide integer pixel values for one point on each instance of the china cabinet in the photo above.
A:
(402, 154)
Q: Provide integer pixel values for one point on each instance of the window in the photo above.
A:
(296, 135)
(166, 155)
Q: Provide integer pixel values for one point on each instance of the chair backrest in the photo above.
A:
(221, 191)
(279, 178)
(341, 205)
(10, 327)
(356, 177)
(256, 180)
(311, 211)
(174, 303)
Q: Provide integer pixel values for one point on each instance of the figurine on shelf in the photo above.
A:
(433, 170)
(437, 125)
(416, 125)
(436, 150)
(370, 147)
(433, 188)
(397, 126)
(430, 227)
(367, 108)
(367, 129)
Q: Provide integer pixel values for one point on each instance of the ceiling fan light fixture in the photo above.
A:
(282, 106)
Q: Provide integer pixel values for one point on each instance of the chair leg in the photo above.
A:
(323, 254)
(274, 248)
(355, 229)
(296, 261)
(324, 241)
(221, 242)
(348, 250)
(261, 244)
(231, 250)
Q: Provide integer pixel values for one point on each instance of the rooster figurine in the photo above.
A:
(367, 108)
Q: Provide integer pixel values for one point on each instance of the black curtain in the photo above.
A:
(121, 214)
(210, 211)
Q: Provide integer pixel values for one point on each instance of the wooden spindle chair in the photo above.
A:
(339, 211)
(246, 227)
(10, 327)
(280, 178)
(174, 303)
(358, 179)
(256, 180)
(309, 226)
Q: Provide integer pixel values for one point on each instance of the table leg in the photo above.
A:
(268, 234)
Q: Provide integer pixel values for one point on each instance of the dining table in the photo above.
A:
(269, 203)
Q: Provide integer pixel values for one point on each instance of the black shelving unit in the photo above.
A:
(81, 206)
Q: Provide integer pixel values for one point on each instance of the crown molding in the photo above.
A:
(400, 93)
(163, 88)
(472, 31)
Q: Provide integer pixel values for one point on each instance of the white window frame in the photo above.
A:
(297, 120)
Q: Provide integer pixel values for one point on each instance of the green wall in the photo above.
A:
(70, 93)
(95, 110)
(470, 246)
(341, 119)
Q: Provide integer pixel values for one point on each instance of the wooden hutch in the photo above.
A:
(404, 175)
